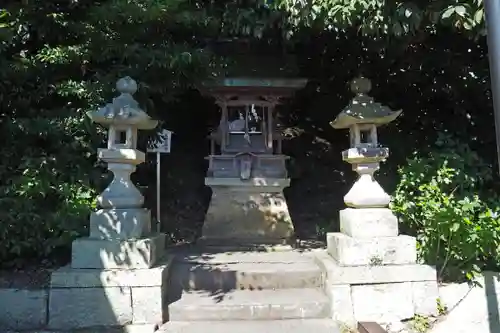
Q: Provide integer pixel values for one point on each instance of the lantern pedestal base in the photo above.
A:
(114, 254)
(349, 251)
(124, 223)
(371, 271)
(368, 222)
(369, 236)
(379, 293)
(242, 213)
(102, 300)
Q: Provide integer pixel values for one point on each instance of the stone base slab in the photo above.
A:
(252, 215)
(378, 293)
(112, 254)
(339, 275)
(368, 222)
(349, 251)
(120, 224)
(85, 298)
(146, 328)
(22, 309)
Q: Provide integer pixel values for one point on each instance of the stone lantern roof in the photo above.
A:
(363, 109)
(124, 110)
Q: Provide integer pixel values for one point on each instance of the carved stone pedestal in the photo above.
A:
(247, 212)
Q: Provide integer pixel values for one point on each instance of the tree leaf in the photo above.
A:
(448, 12)
(460, 10)
(479, 16)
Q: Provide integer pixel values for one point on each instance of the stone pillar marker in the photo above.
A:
(115, 278)
(374, 275)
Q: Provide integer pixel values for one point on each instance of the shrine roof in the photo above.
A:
(249, 85)
(254, 69)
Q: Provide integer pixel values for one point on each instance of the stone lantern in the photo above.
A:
(123, 118)
(121, 217)
(115, 278)
(362, 117)
(372, 263)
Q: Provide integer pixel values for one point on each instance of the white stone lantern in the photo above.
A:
(116, 275)
(374, 263)
(362, 117)
(121, 220)
(124, 118)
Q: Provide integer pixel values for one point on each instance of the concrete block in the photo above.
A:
(342, 309)
(382, 302)
(110, 254)
(122, 224)
(73, 308)
(349, 251)
(425, 295)
(147, 305)
(67, 277)
(339, 275)
(108, 297)
(368, 222)
(23, 309)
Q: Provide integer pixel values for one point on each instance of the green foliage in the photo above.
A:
(420, 324)
(442, 198)
(379, 17)
(441, 308)
(58, 60)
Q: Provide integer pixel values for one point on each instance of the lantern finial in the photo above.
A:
(126, 85)
(361, 85)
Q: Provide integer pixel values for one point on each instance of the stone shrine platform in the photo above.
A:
(283, 290)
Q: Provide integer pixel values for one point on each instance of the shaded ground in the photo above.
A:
(28, 278)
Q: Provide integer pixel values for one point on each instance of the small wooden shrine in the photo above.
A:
(247, 169)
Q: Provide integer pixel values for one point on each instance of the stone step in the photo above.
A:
(192, 276)
(254, 271)
(250, 305)
(263, 326)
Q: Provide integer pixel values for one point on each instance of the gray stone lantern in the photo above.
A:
(374, 263)
(121, 217)
(362, 117)
(116, 277)
(123, 118)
